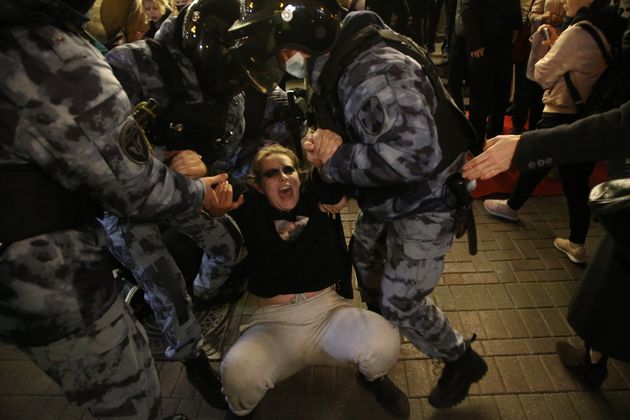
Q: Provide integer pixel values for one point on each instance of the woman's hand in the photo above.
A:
(496, 158)
(218, 199)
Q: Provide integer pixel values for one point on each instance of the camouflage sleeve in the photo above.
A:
(390, 112)
(126, 63)
(71, 118)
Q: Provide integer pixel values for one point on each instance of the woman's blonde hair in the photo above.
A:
(265, 152)
(162, 4)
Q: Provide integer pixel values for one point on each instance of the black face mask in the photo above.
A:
(179, 7)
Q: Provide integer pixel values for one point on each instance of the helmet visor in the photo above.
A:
(259, 38)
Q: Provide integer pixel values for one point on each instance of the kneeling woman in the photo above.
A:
(301, 320)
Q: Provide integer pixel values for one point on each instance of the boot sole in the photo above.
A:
(461, 394)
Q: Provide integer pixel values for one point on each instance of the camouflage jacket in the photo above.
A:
(63, 111)
(140, 74)
(388, 109)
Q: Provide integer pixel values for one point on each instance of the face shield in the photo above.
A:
(205, 40)
(304, 25)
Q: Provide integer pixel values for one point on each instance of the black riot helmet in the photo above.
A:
(267, 26)
(203, 37)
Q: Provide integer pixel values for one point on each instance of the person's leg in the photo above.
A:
(457, 69)
(576, 189)
(416, 248)
(501, 85)
(223, 246)
(140, 248)
(480, 81)
(264, 355)
(108, 369)
(368, 253)
(522, 95)
(366, 339)
(525, 184)
(354, 335)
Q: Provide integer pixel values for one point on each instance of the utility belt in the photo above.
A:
(464, 217)
(32, 204)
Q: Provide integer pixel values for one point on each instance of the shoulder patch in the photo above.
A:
(372, 115)
(132, 143)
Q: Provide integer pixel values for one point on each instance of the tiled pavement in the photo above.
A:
(514, 294)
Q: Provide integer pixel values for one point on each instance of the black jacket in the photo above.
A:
(489, 23)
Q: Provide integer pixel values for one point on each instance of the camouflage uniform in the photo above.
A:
(140, 246)
(405, 225)
(63, 112)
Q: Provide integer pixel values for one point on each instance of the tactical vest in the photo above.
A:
(181, 125)
(454, 131)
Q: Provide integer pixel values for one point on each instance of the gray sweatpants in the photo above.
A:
(280, 340)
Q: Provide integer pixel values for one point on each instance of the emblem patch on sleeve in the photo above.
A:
(372, 115)
(132, 143)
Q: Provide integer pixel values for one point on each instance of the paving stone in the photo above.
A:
(521, 265)
(619, 403)
(539, 295)
(503, 255)
(503, 240)
(535, 373)
(483, 407)
(492, 325)
(542, 345)
(512, 374)
(510, 347)
(526, 248)
(562, 380)
(491, 383)
(558, 293)
(504, 271)
(518, 294)
(513, 323)
(443, 298)
(462, 298)
(462, 411)
(460, 267)
(535, 323)
(169, 374)
(535, 407)
(471, 324)
(421, 377)
(589, 406)
(556, 321)
(560, 406)
(481, 262)
(499, 296)
(509, 407)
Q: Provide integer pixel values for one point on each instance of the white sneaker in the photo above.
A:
(501, 209)
(575, 252)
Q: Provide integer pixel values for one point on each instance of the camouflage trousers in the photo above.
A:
(108, 368)
(140, 248)
(398, 263)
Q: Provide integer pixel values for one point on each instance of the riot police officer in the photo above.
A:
(197, 129)
(68, 148)
(376, 107)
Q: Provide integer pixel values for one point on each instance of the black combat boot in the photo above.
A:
(206, 381)
(392, 399)
(592, 375)
(457, 376)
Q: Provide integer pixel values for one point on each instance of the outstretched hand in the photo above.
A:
(496, 158)
(218, 198)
